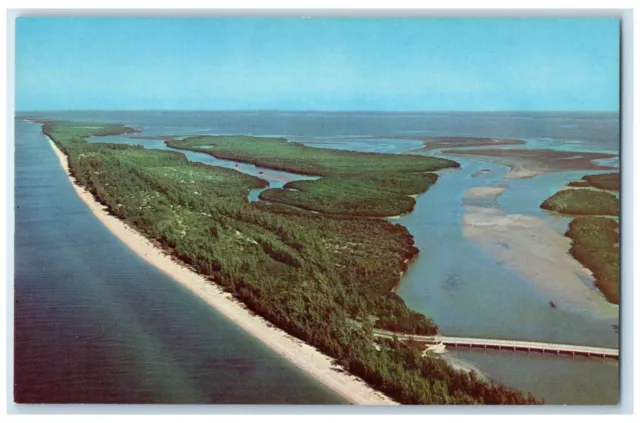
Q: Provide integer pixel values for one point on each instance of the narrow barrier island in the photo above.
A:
(595, 230)
(324, 279)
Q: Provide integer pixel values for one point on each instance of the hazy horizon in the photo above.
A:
(612, 112)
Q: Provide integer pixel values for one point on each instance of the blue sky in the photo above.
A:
(317, 64)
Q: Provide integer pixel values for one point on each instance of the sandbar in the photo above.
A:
(529, 247)
(483, 192)
(529, 163)
(434, 143)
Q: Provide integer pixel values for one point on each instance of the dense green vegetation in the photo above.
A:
(583, 202)
(608, 181)
(596, 245)
(278, 153)
(469, 386)
(595, 238)
(326, 280)
(356, 184)
(363, 195)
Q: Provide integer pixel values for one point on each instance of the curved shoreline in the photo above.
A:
(304, 356)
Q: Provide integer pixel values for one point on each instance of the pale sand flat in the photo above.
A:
(483, 192)
(526, 245)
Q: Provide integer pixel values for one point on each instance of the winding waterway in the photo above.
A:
(456, 282)
(468, 293)
(465, 290)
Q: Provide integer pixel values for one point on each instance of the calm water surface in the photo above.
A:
(456, 283)
(94, 323)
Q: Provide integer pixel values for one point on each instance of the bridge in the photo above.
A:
(502, 344)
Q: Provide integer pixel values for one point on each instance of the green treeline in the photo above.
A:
(279, 154)
(326, 280)
(354, 183)
(374, 195)
(596, 244)
(583, 202)
(595, 233)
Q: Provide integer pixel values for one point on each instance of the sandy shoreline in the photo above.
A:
(304, 356)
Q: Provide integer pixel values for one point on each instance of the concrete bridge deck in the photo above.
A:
(502, 344)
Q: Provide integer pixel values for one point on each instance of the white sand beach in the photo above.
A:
(302, 355)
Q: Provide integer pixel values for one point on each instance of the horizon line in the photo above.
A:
(616, 111)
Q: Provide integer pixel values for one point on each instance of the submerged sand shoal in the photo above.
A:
(528, 246)
(529, 163)
(304, 356)
(436, 143)
(484, 192)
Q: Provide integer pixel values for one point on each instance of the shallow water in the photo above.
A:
(453, 281)
(597, 129)
(275, 178)
(94, 323)
(464, 289)
(368, 145)
(567, 380)
(468, 294)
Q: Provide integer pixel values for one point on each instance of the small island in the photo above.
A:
(595, 229)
